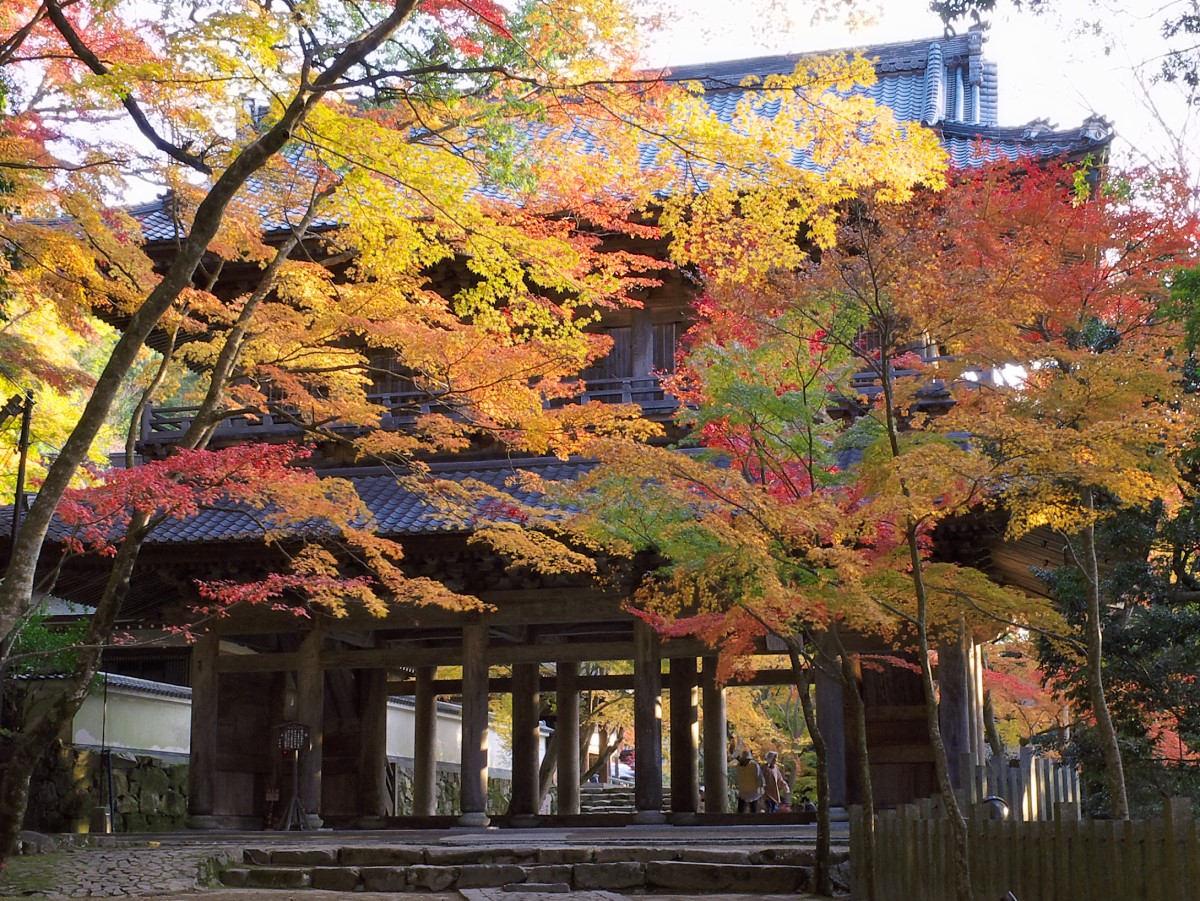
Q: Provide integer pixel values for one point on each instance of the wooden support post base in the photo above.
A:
(649, 818)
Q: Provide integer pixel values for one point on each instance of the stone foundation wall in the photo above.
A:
(66, 793)
(448, 790)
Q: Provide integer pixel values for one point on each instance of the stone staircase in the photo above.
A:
(595, 798)
(764, 867)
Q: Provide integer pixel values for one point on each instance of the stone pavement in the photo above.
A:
(176, 865)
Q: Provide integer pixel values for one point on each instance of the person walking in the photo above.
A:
(750, 783)
(775, 786)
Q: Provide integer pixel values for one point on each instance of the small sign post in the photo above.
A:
(293, 738)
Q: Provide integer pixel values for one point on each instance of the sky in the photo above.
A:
(1047, 69)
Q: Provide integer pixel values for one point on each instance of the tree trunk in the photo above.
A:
(16, 591)
(31, 742)
(1106, 731)
(958, 823)
(824, 879)
(548, 766)
(991, 733)
(865, 868)
(26, 755)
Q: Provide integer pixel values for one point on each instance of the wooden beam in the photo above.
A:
(498, 685)
(257, 663)
(543, 606)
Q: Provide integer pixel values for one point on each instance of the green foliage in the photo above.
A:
(1151, 654)
(43, 648)
(1184, 305)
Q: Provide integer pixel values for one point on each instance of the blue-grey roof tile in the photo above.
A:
(944, 82)
(399, 506)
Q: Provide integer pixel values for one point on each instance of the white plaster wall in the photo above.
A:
(401, 726)
(143, 721)
(135, 721)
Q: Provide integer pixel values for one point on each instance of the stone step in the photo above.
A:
(395, 869)
(527, 854)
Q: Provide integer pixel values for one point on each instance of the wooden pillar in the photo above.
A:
(954, 706)
(831, 719)
(310, 710)
(975, 668)
(567, 700)
(526, 705)
(685, 737)
(474, 726)
(202, 769)
(425, 745)
(716, 747)
(372, 748)
(647, 724)
(642, 344)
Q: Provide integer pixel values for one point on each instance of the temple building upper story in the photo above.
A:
(945, 84)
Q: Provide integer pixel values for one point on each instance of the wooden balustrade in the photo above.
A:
(167, 425)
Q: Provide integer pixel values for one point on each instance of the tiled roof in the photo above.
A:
(398, 509)
(921, 81)
(139, 686)
(940, 82)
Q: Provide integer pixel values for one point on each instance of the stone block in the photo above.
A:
(178, 777)
(259, 856)
(566, 855)
(486, 855)
(175, 804)
(489, 875)
(151, 802)
(432, 879)
(380, 857)
(151, 779)
(616, 875)
(235, 877)
(715, 855)
(127, 804)
(384, 879)
(29, 842)
(336, 879)
(840, 874)
(641, 855)
(278, 877)
(135, 822)
(686, 876)
(303, 857)
(538, 888)
(560, 872)
(789, 857)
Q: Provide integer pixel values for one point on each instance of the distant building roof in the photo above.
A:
(943, 83)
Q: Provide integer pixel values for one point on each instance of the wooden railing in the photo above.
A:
(1068, 859)
(166, 425)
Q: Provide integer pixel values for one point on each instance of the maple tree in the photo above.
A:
(496, 144)
(1100, 409)
(933, 306)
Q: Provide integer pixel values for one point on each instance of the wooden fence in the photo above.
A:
(1031, 786)
(1067, 859)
